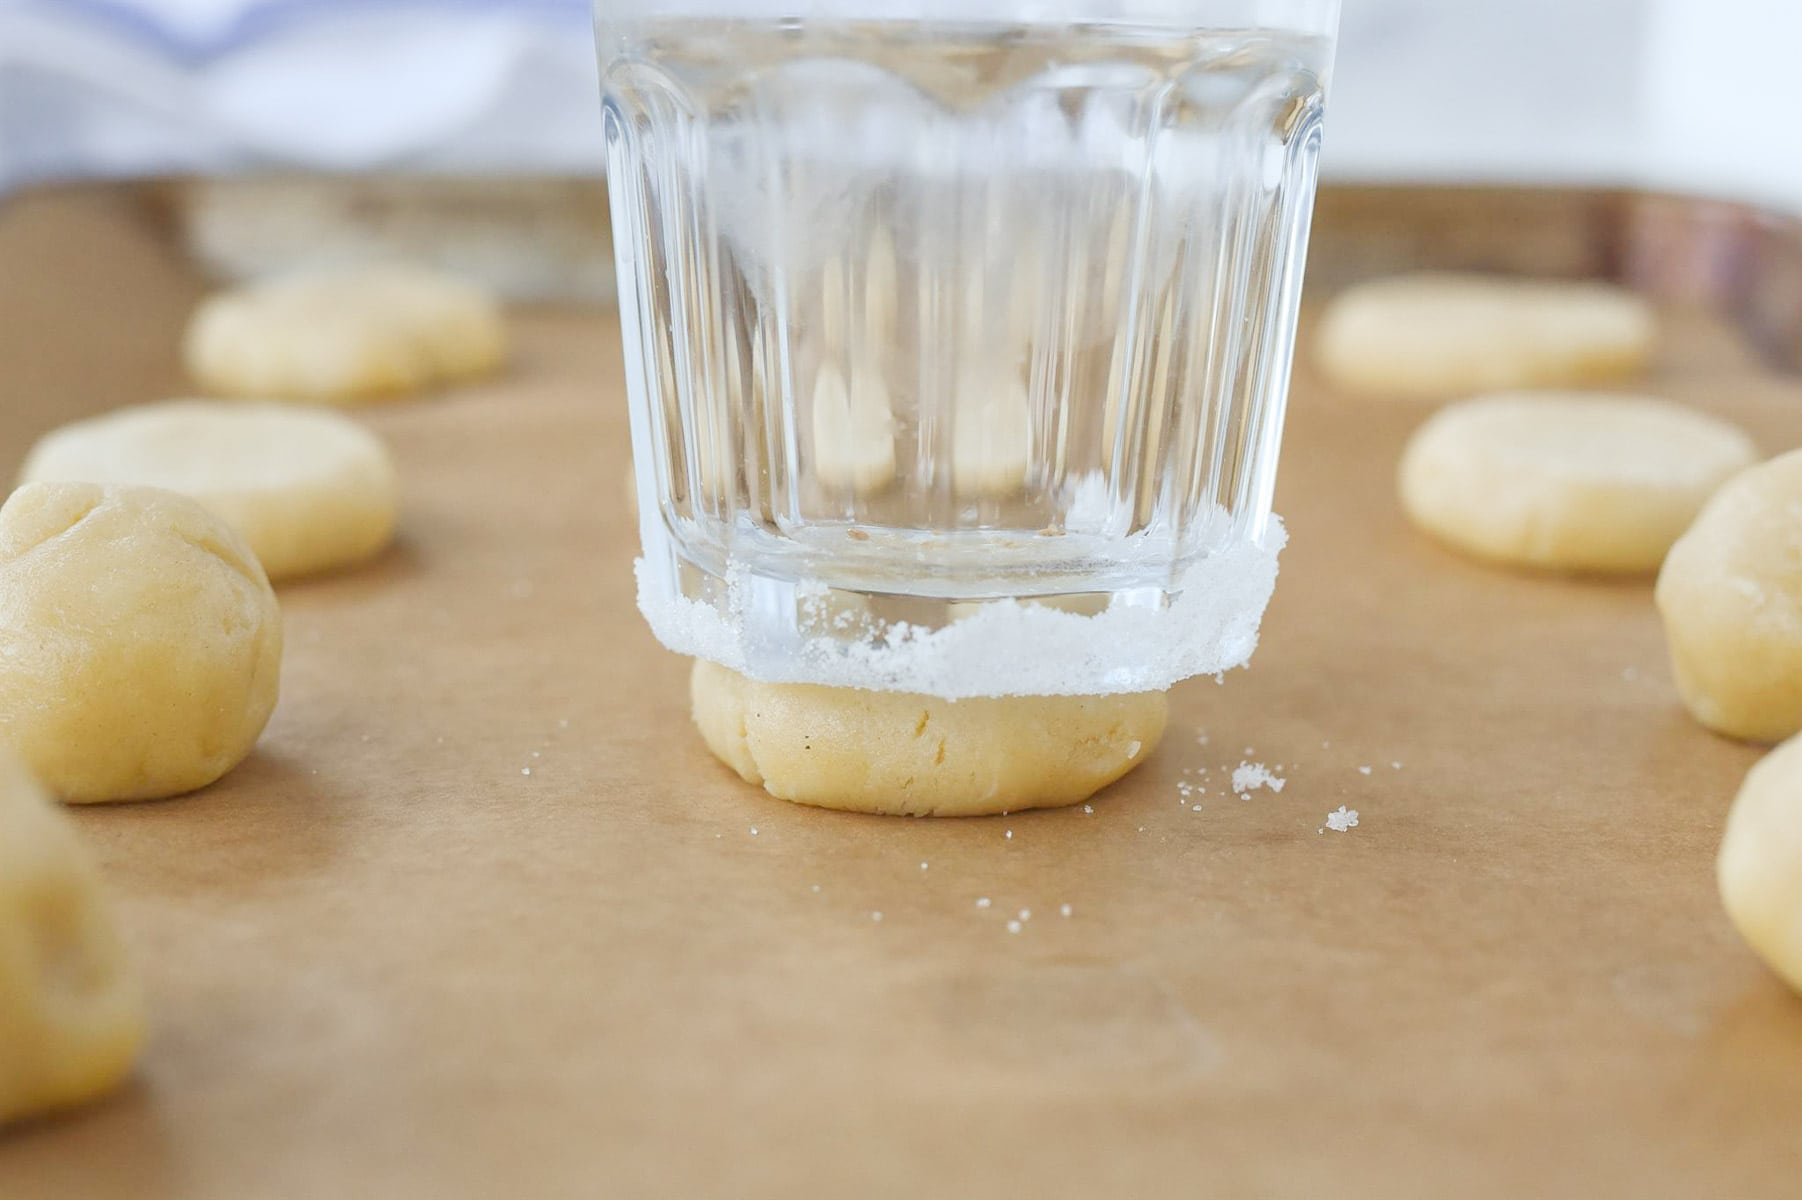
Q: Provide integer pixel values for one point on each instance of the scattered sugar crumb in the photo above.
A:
(1201, 737)
(535, 754)
(1363, 770)
(1326, 745)
(1010, 833)
(1133, 747)
(1088, 808)
(982, 902)
(753, 831)
(1026, 914)
(922, 866)
(1013, 927)
(816, 887)
(1249, 776)
(1195, 808)
(1342, 820)
(1249, 750)
(1065, 909)
(1397, 766)
(525, 770)
(875, 916)
(563, 723)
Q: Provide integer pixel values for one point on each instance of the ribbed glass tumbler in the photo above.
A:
(957, 346)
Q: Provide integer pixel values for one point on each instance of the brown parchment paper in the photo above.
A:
(384, 960)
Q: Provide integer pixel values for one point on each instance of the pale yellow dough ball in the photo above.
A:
(1432, 335)
(885, 752)
(1760, 864)
(1731, 597)
(344, 335)
(71, 1014)
(310, 490)
(1576, 481)
(140, 642)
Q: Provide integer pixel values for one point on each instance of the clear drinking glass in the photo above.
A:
(957, 342)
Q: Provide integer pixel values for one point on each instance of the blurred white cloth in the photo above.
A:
(1687, 94)
(128, 87)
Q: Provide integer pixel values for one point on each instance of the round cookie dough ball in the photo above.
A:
(344, 335)
(853, 430)
(1760, 864)
(309, 490)
(71, 1014)
(1731, 597)
(1432, 335)
(1566, 480)
(140, 642)
(887, 752)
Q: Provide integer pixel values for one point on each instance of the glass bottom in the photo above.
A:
(1090, 642)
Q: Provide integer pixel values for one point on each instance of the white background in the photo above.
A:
(1688, 94)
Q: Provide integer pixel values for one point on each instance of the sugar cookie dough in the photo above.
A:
(340, 336)
(309, 490)
(1432, 335)
(1760, 865)
(991, 440)
(887, 752)
(140, 643)
(1731, 597)
(71, 1014)
(1566, 480)
(853, 430)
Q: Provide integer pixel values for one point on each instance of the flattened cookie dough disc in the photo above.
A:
(884, 752)
(1760, 865)
(345, 335)
(1730, 594)
(141, 645)
(1566, 480)
(1434, 335)
(71, 1014)
(309, 490)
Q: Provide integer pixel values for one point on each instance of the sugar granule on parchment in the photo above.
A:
(1342, 820)
(1249, 776)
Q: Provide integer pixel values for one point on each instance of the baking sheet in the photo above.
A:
(481, 917)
